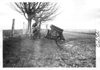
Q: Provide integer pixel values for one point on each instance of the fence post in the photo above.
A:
(13, 23)
(24, 28)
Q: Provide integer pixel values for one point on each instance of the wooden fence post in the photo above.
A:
(24, 31)
(13, 23)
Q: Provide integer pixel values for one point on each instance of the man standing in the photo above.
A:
(34, 28)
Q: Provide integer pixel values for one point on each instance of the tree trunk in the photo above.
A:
(29, 26)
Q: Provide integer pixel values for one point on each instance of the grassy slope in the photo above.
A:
(78, 51)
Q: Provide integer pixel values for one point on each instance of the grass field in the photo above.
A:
(7, 33)
(79, 50)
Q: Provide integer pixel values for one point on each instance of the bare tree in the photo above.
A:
(46, 13)
(38, 11)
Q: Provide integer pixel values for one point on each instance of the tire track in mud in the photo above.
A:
(60, 53)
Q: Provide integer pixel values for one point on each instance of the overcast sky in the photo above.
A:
(75, 14)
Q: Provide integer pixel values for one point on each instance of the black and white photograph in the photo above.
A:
(50, 34)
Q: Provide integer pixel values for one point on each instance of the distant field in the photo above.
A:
(68, 35)
(81, 30)
(75, 34)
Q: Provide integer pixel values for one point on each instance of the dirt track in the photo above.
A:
(40, 53)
